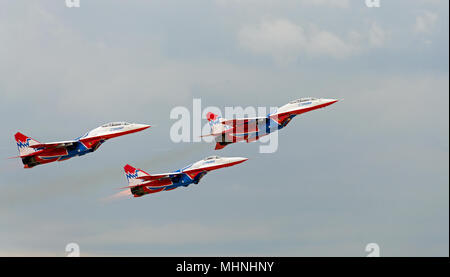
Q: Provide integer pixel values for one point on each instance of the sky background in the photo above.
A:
(371, 168)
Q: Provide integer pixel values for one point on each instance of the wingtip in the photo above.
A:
(219, 146)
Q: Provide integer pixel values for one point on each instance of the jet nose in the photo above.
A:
(142, 126)
(237, 160)
(330, 101)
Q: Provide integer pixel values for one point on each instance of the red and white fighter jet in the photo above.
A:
(141, 183)
(35, 153)
(250, 129)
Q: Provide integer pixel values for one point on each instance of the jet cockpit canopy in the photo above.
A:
(113, 124)
(212, 158)
(302, 100)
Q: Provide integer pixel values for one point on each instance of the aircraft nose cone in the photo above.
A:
(328, 102)
(332, 101)
(142, 126)
(237, 160)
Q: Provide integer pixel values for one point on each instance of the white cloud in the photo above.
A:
(327, 43)
(285, 41)
(329, 3)
(281, 39)
(425, 22)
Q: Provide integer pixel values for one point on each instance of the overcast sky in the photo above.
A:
(371, 168)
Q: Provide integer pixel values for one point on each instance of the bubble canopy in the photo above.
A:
(112, 124)
(212, 158)
(302, 100)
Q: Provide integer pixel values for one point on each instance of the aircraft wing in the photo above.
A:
(62, 144)
(165, 176)
(241, 124)
(154, 180)
(218, 134)
(240, 121)
(51, 145)
(159, 177)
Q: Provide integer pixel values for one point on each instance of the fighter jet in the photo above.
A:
(35, 153)
(228, 131)
(141, 183)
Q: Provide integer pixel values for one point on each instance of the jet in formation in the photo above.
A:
(141, 183)
(35, 153)
(227, 131)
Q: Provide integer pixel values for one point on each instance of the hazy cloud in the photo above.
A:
(285, 41)
(425, 22)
